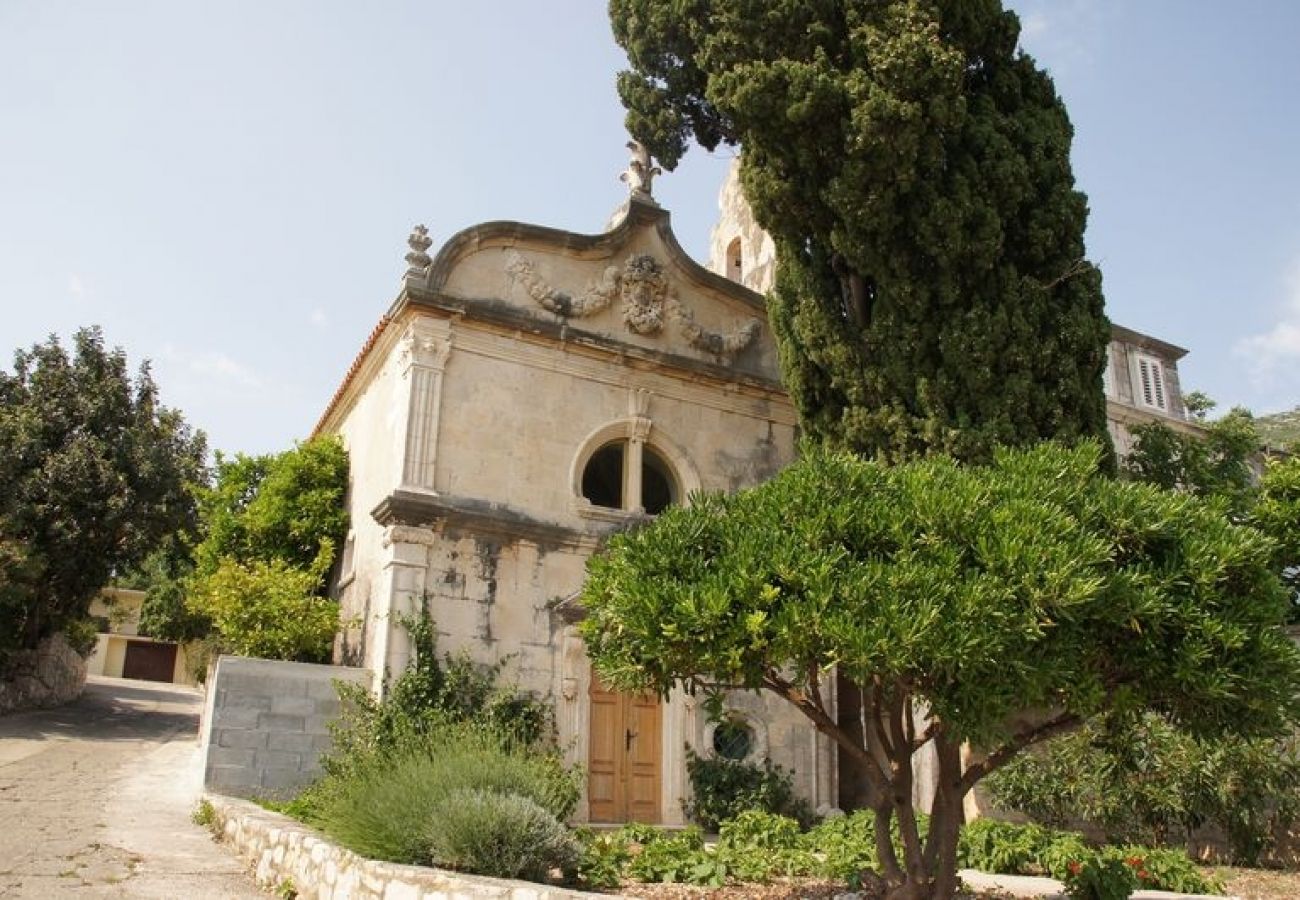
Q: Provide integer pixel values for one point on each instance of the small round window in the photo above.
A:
(733, 739)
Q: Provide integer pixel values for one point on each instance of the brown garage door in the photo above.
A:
(149, 661)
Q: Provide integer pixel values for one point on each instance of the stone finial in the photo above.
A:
(418, 260)
(640, 172)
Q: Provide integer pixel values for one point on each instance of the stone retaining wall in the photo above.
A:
(266, 724)
(50, 675)
(288, 852)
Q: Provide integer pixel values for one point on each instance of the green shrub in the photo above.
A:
(758, 830)
(723, 789)
(1002, 847)
(640, 833)
(1146, 782)
(1064, 848)
(500, 834)
(1170, 870)
(602, 858)
(382, 806)
(1008, 849)
(268, 609)
(670, 857)
(1101, 876)
(846, 845)
(433, 693)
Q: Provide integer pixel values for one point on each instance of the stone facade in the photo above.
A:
(515, 371)
(50, 675)
(266, 724)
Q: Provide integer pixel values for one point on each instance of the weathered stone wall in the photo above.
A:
(286, 852)
(267, 724)
(50, 675)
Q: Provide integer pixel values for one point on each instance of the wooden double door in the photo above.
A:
(623, 760)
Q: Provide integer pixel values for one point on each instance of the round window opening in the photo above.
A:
(733, 739)
(606, 478)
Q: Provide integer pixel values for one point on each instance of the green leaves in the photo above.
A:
(1030, 584)
(913, 170)
(272, 526)
(94, 474)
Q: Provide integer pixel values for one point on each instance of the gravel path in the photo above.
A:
(95, 799)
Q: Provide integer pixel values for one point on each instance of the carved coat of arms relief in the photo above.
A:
(646, 297)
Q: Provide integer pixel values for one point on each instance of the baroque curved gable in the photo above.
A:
(632, 287)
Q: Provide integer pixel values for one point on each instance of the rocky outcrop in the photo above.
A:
(50, 675)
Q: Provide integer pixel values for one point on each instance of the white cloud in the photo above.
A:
(218, 365)
(318, 318)
(213, 365)
(1277, 350)
(76, 287)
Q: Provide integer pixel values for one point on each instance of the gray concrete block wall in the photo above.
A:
(267, 724)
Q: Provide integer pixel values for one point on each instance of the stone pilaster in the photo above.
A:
(401, 591)
(422, 359)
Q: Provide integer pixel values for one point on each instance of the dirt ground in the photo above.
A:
(95, 799)
(1259, 884)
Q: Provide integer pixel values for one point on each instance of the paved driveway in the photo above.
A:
(95, 799)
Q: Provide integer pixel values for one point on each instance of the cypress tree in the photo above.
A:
(913, 168)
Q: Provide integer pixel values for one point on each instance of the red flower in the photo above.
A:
(1134, 861)
(1075, 868)
(1143, 875)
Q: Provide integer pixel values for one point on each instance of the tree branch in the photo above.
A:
(1001, 756)
(828, 726)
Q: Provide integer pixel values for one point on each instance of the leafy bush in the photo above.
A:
(846, 844)
(502, 834)
(268, 609)
(992, 846)
(432, 693)
(384, 806)
(758, 830)
(723, 789)
(1064, 848)
(602, 857)
(670, 857)
(1101, 876)
(1146, 782)
(1004, 848)
(1171, 870)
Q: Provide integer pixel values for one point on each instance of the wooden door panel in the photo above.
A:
(604, 783)
(623, 760)
(148, 661)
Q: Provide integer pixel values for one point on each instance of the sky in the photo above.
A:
(226, 188)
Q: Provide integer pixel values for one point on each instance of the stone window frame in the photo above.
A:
(1150, 370)
(636, 431)
(348, 560)
(758, 748)
(735, 260)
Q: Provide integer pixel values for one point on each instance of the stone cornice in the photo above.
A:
(1118, 411)
(510, 319)
(1171, 352)
(419, 509)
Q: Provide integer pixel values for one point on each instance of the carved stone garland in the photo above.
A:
(646, 295)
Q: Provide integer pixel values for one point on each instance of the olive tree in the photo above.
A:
(1010, 601)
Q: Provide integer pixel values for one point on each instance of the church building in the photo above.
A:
(529, 392)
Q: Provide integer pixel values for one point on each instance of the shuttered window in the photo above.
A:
(1149, 386)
